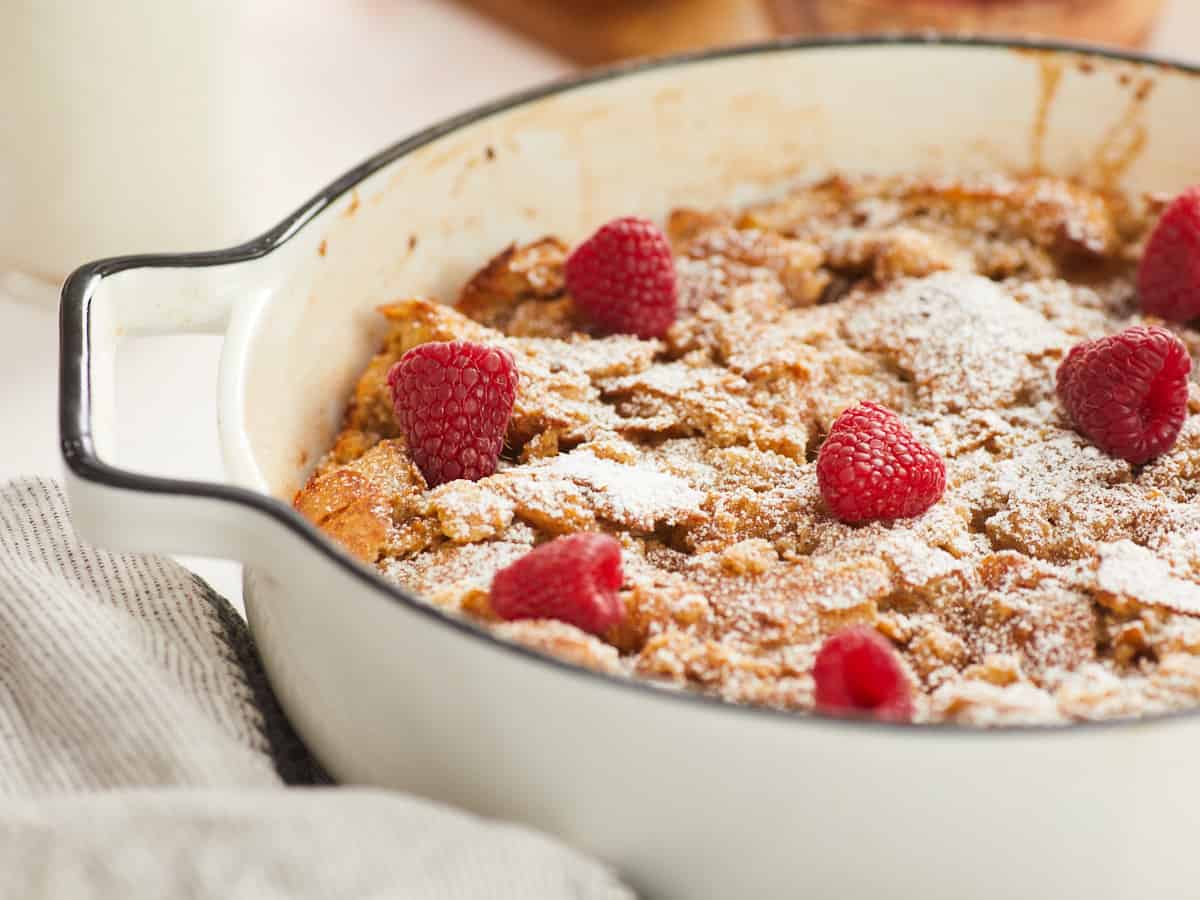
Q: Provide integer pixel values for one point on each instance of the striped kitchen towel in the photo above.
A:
(143, 755)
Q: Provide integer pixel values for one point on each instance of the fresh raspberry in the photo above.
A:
(857, 671)
(622, 279)
(1169, 277)
(453, 401)
(871, 467)
(1127, 393)
(574, 579)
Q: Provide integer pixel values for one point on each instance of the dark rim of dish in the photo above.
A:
(75, 410)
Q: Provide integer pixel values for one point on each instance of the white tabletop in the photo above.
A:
(365, 80)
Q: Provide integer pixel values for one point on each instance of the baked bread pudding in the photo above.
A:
(917, 449)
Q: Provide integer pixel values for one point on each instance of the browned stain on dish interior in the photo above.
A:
(456, 146)
(991, 151)
(1050, 72)
(489, 152)
(668, 96)
(461, 178)
(412, 243)
(321, 247)
(354, 204)
(1124, 141)
(740, 162)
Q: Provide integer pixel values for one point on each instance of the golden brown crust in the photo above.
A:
(366, 505)
(516, 284)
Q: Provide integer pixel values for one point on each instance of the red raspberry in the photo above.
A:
(1127, 393)
(573, 579)
(1169, 277)
(857, 671)
(871, 467)
(622, 279)
(453, 401)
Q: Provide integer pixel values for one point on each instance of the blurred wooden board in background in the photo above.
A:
(597, 31)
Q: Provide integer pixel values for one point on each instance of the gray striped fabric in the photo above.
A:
(142, 754)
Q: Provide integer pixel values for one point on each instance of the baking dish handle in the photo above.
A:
(131, 511)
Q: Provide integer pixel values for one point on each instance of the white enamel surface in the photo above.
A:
(688, 801)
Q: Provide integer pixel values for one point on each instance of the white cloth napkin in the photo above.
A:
(143, 755)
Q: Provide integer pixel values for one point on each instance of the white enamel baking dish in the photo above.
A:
(687, 797)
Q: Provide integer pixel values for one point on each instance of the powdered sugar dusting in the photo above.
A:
(961, 339)
(1130, 572)
(638, 497)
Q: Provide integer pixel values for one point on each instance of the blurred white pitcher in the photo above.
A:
(111, 116)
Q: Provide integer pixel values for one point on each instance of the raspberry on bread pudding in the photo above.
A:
(915, 449)
(1169, 274)
(622, 279)
(871, 467)
(1128, 392)
(858, 672)
(452, 401)
(575, 579)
